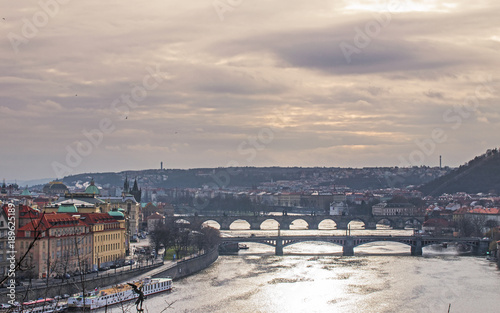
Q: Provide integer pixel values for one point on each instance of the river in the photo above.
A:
(313, 277)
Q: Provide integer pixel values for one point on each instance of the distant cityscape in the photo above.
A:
(89, 220)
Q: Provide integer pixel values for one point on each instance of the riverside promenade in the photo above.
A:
(174, 269)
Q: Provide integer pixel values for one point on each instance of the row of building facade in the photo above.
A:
(55, 243)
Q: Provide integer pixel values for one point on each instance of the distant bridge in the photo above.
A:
(348, 243)
(313, 221)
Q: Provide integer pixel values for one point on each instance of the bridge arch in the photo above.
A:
(385, 223)
(327, 223)
(299, 223)
(383, 246)
(240, 224)
(271, 223)
(356, 223)
(211, 223)
(412, 223)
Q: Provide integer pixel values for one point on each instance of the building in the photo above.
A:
(108, 238)
(438, 226)
(339, 208)
(88, 201)
(4, 230)
(92, 189)
(155, 219)
(287, 199)
(54, 244)
(148, 210)
(74, 206)
(384, 208)
(132, 211)
(55, 188)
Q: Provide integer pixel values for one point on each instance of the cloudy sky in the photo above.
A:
(92, 86)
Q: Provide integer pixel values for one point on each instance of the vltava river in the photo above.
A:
(382, 277)
(306, 283)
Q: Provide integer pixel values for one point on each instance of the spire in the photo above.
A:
(126, 187)
(136, 192)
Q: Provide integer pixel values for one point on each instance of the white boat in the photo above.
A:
(47, 305)
(119, 293)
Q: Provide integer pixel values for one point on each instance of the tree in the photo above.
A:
(471, 225)
(210, 238)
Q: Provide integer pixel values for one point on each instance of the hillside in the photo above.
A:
(482, 174)
(253, 177)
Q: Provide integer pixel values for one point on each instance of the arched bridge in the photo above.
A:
(478, 246)
(313, 221)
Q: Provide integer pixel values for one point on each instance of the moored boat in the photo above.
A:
(47, 305)
(119, 293)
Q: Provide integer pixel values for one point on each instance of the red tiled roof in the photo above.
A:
(434, 222)
(485, 210)
(477, 210)
(52, 220)
(97, 218)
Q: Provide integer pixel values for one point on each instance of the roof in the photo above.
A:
(485, 210)
(52, 220)
(67, 208)
(155, 216)
(436, 222)
(92, 189)
(97, 218)
(116, 214)
(118, 200)
(84, 197)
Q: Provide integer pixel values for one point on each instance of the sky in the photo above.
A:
(93, 86)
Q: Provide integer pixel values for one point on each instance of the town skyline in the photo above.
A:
(88, 87)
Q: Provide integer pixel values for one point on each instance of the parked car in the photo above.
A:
(5, 306)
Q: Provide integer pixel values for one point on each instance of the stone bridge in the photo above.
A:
(313, 221)
(478, 246)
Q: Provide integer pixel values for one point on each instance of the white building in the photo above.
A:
(339, 208)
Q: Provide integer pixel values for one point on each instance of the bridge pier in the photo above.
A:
(255, 226)
(371, 225)
(284, 226)
(225, 226)
(416, 250)
(313, 226)
(342, 225)
(279, 247)
(348, 247)
(482, 248)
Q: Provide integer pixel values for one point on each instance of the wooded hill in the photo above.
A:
(481, 174)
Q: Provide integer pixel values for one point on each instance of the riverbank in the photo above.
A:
(175, 270)
(186, 266)
(55, 287)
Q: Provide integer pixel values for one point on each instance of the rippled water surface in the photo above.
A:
(385, 279)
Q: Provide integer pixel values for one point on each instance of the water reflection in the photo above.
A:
(267, 283)
(313, 277)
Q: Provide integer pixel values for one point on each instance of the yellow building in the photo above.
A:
(132, 214)
(108, 237)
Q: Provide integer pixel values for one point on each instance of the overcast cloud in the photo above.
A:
(250, 83)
